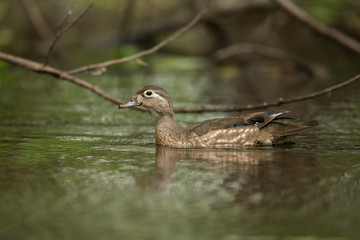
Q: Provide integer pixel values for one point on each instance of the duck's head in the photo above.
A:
(153, 98)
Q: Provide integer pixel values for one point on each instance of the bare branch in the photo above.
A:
(77, 19)
(57, 35)
(37, 67)
(279, 102)
(43, 68)
(143, 53)
(257, 49)
(37, 19)
(320, 27)
(40, 68)
(244, 48)
(64, 20)
(60, 31)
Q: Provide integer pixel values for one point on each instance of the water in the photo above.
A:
(73, 166)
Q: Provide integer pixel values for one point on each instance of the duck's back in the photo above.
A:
(250, 130)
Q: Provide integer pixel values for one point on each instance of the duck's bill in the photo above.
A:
(131, 103)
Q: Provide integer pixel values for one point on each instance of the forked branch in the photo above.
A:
(38, 67)
(62, 28)
(44, 69)
(143, 53)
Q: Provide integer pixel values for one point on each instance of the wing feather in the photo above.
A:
(261, 119)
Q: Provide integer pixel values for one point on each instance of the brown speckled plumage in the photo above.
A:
(255, 129)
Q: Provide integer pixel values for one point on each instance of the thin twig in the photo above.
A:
(64, 20)
(278, 102)
(60, 31)
(77, 19)
(38, 67)
(143, 53)
(57, 36)
(41, 68)
(320, 27)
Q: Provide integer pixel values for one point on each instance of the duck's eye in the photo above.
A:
(148, 93)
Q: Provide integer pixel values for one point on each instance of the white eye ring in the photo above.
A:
(148, 93)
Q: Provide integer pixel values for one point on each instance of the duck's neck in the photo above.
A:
(168, 131)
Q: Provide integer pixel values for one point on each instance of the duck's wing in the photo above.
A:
(261, 119)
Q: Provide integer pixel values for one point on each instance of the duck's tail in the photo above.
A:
(295, 128)
(281, 130)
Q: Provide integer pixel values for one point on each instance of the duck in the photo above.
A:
(249, 130)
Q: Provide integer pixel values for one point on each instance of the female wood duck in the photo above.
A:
(255, 129)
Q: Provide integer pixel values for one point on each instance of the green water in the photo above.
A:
(73, 166)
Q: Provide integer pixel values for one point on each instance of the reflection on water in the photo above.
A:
(72, 167)
(259, 172)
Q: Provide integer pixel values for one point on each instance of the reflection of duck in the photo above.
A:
(259, 172)
(253, 129)
(167, 157)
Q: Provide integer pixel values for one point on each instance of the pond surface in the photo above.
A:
(73, 166)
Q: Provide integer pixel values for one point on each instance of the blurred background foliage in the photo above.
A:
(74, 167)
(115, 29)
